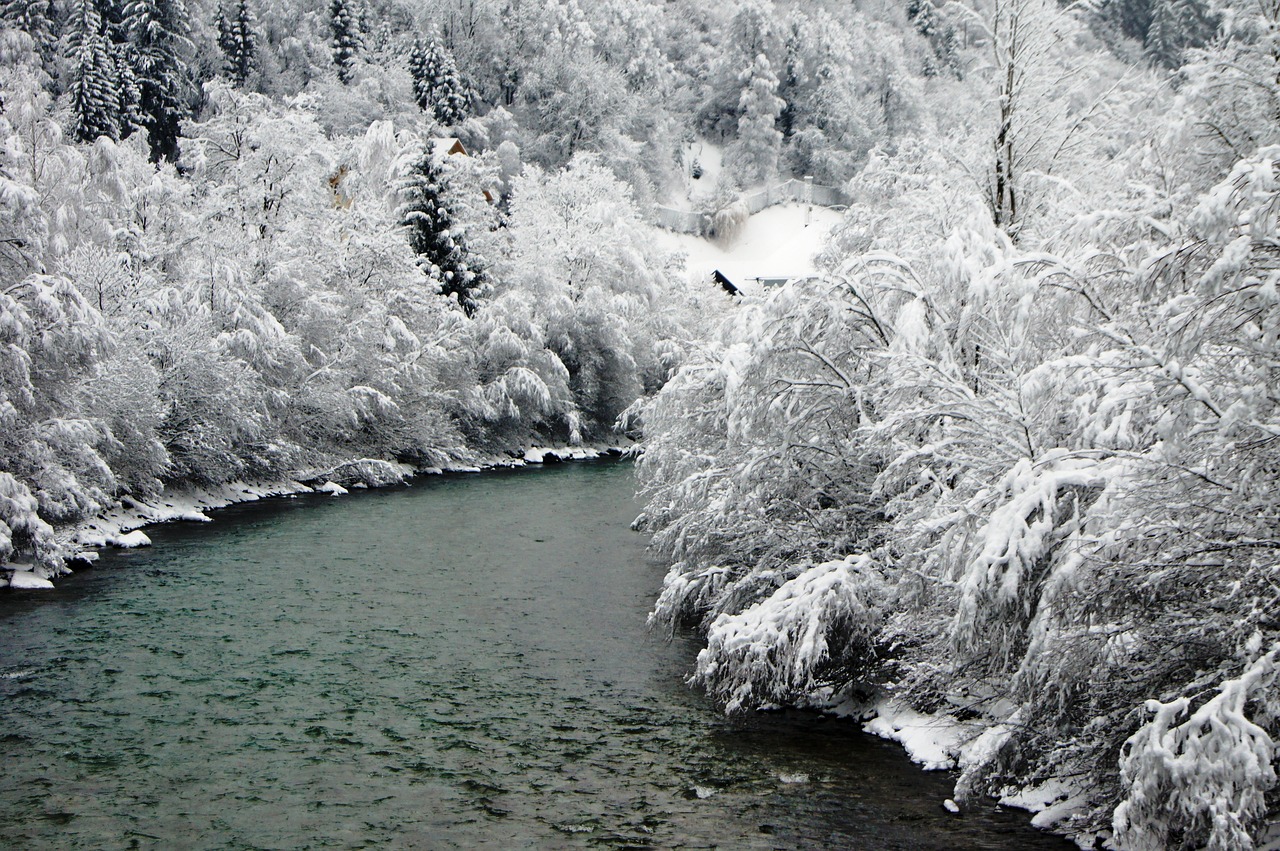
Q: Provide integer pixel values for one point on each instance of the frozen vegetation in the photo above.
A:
(998, 471)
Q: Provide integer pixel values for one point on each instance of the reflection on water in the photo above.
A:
(463, 663)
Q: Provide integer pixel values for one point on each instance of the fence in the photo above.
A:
(682, 221)
(798, 191)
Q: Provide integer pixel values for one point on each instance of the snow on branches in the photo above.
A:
(1200, 780)
(784, 648)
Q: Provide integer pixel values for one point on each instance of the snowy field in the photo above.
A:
(779, 242)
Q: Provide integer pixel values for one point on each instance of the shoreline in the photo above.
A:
(121, 527)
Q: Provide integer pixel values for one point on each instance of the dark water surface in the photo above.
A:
(463, 663)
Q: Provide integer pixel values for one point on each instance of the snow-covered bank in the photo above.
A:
(939, 472)
(122, 526)
(939, 741)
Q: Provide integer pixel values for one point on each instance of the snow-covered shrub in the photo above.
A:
(815, 630)
(371, 472)
(1200, 780)
(1038, 505)
(23, 534)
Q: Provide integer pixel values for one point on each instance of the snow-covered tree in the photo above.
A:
(345, 37)
(95, 98)
(759, 139)
(441, 248)
(238, 41)
(437, 86)
(39, 19)
(1177, 25)
(160, 50)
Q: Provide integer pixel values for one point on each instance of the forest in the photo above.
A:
(1011, 460)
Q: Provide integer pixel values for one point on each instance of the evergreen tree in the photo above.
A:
(1177, 25)
(160, 46)
(38, 19)
(344, 18)
(92, 90)
(941, 37)
(418, 72)
(441, 249)
(436, 85)
(1131, 17)
(238, 42)
(792, 73)
(759, 138)
(128, 94)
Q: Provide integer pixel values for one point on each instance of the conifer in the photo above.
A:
(92, 92)
(38, 19)
(433, 235)
(159, 47)
(344, 19)
(437, 87)
(238, 42)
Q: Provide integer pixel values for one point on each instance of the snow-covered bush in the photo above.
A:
(1200, 780)
(812, 632)
(1062, 460)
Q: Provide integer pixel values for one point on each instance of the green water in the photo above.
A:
(462, 663)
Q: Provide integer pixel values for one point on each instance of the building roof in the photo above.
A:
(447, 146)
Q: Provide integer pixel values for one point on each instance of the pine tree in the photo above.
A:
(437, 87)
(92, 91)
(941, 37)
(442, 251)
(1131, 17)
(344, 18)
(793, 71)
(238, 42)
(759, 138)
(160, 46)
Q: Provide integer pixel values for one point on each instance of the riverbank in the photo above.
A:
(122, 526)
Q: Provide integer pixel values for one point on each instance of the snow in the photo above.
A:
(1051, 801)
(796, 778)
(136, 538)
(932, 741)
(119, 527)
(25, 580)
(543, 455)
(697, 193)
(778, 242)
(950, 806)
(332, 488)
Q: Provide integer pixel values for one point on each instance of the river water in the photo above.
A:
(462, 663)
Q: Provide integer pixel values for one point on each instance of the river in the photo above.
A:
(460, 663)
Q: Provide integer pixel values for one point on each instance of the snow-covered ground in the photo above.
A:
(697, 192)
(778, 242)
